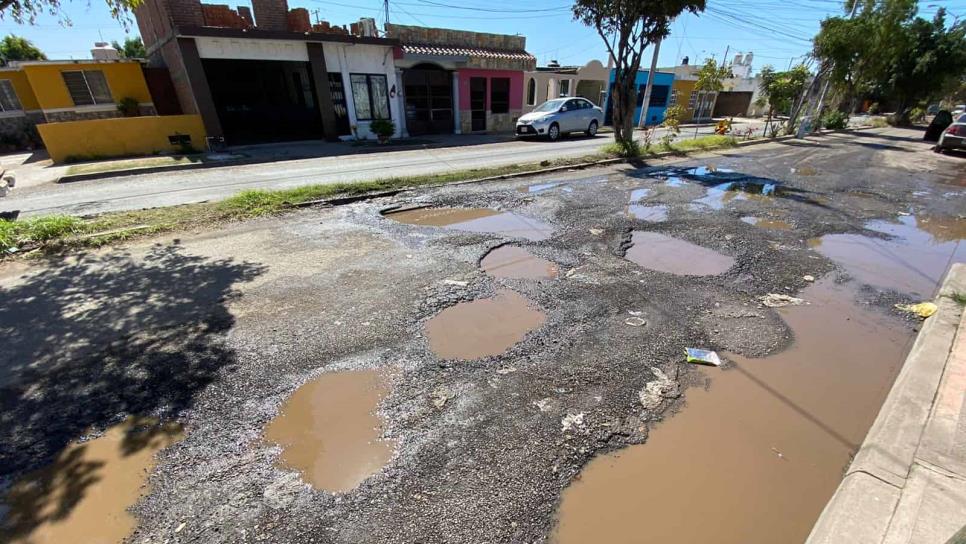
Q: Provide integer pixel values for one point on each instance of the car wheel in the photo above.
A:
(592, 129)
(553, 133)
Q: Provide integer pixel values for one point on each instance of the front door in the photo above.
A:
(478, 103)
(429, 100)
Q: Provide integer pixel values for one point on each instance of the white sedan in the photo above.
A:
(561, 116)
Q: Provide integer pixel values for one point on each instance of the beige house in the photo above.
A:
(553, 81)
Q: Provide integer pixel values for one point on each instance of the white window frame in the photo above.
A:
(87, 84)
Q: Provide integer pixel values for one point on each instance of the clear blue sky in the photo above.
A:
(777, 31)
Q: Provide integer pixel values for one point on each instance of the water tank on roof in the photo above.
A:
(104, 51)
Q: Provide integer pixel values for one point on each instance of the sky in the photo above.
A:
(778, 32)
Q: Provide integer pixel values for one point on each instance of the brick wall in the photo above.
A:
(246, 14)
(298, 20)
(185, 12)
(457, 38)
(270, 14)
(155, 18)
(221, 15)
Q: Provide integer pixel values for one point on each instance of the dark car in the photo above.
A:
(939, 123)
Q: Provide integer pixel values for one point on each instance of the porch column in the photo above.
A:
(323, 95)
(401, 104)
(457, 125)
(198, 82)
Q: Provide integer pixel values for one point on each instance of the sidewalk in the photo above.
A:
(907, 483)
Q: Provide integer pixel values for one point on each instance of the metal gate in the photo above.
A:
(429, 100)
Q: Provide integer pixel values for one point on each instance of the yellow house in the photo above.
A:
(684, 95)
(72, 106)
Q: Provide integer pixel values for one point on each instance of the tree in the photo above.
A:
(780, 89)
(627, 27)
(710, 80)
(26, 11)
(17, 48)
(133, 48)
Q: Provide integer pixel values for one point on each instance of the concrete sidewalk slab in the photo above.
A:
(907, 483)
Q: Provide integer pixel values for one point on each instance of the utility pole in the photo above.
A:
(642, 122)
(386, 5)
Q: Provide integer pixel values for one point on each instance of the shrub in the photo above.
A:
(382, 128)
(621, 148)
(835, 120)
(874, 108)
(128, 106)
(917, 115)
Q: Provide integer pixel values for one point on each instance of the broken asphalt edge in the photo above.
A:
(71, 178)
(869, 504)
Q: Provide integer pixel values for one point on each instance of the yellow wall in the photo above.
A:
(119, 137)
(125, 79)
(22, 87)
(684, 87)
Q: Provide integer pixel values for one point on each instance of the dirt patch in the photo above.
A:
(518, 263)
(675, 256)
(482, 328)
(772, 224)
(754, 457)
(329, 431)
(85, 493)
(482, 220)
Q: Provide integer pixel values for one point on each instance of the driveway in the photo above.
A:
(506, 365)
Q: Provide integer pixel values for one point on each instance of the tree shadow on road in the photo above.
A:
(94, 338)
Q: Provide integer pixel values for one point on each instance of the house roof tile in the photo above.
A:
(443, 50)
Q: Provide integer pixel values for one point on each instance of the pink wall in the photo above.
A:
(516, 86)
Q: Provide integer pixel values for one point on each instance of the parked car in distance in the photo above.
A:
(954, 137)
(960, 119)
(939, 123)
(560, 116)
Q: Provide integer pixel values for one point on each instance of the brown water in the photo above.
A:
(482, 328)
(84, 495)
(666, 254)
(912, 262)
(482, 220)
(754, 458)
(516, 262)
(329, 430)
(772, 224)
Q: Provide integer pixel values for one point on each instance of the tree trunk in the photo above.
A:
(624, 107)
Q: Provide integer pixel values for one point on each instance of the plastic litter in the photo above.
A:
(923, 309)
(635, 321)
(702, 356)
(778, 300)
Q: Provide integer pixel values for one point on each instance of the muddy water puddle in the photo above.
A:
(766, 223)
(666, 254)
(517, 263)
(912, 262)
(482, 220)
(83, 496)
(329, 431)
(755, 457)
(482, 328)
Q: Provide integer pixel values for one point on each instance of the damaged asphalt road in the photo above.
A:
(217, 329)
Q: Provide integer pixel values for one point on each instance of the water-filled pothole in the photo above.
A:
(482, 328)
(772, 224)
(912, 262)
(538, 187)
(329, 431)
(755, 457)
(516, 262)
(654, 213)
(483, 220)
(84, 495)
(675, 256)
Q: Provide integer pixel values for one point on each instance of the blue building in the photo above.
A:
(660, 94)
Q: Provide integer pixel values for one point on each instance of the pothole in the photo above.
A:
(482, 328)
(517, 263)
(482, 220)
(86, 492)
(666, 254)
(772, 224)
(329, 431)
(655, 213)
(538, 187)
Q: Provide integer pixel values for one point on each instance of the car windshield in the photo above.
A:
(550, 105)
(962, 118)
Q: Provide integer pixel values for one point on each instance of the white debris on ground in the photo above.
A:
(571, 421)
(655, 391)
(778, 300)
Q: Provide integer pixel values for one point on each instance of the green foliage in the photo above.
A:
(627, 27)
(133, 48)
(18, 48)
(835, 120)
(14, 234)
(673, 117)
(781, 89)
(917, 115)
(27, 11)
(879, 122)
(874, 108)
(887, 52)
(711, 76)
(128, 106)
(705, 143)
(622, 148)
(383, 128)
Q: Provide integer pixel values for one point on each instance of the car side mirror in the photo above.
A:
(563, 108)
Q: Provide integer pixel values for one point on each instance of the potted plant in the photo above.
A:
(128, 107)
(383, 129)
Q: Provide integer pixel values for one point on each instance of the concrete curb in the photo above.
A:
(880, 499)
